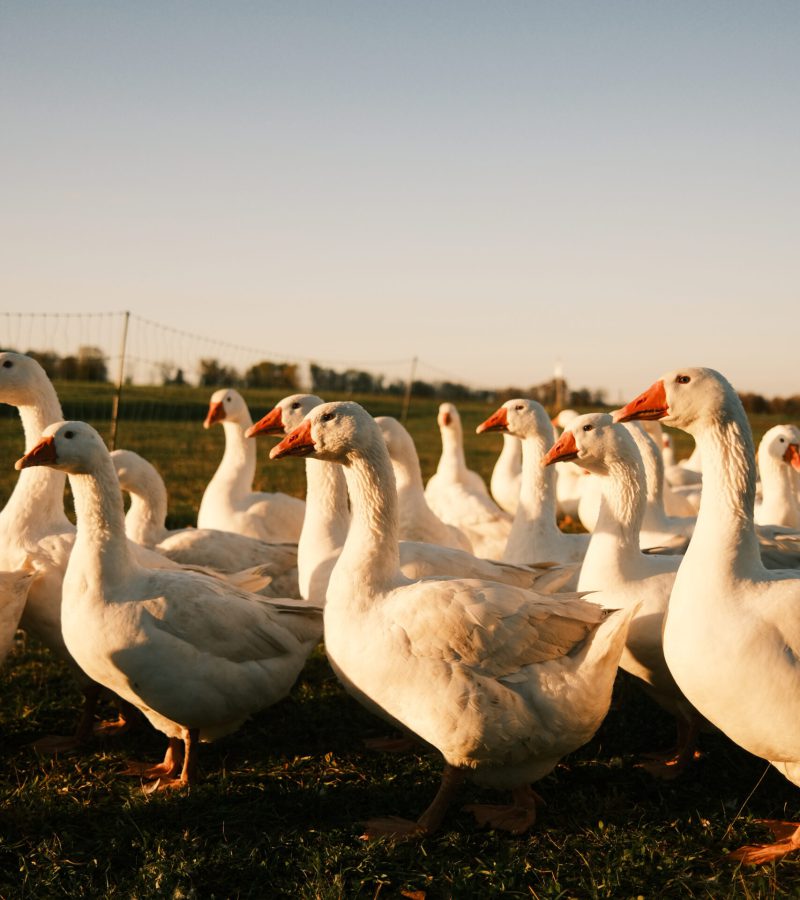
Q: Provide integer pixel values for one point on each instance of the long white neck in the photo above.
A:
(534, 529)
(237, 468)
(614, 545)
(509, 462)
(452, 462)
(36, 505)
(101, 555)
(724, 538)
(326, 521)
(655, 516)
(371, 555)
(147, 514)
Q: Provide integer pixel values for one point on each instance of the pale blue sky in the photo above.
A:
(489, 186)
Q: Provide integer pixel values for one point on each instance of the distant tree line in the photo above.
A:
(90, 364)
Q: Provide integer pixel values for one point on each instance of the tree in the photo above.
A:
(214, 374)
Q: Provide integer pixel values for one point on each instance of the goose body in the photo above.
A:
(195, 655)
(732, 631)
(618, 574)
(459, 496)
(14, 587)
(500, 680)
(229, 502)
(327, 523)
(224, 551)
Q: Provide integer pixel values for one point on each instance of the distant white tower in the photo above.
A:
(560, 384)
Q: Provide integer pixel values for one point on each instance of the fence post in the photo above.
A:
(120, 378)
(407, 398)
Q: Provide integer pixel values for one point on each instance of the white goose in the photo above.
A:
(732, 631)
(328, 521)
(229, 502)
(778, 458)
(502, 681)
(418, 522)
(507, 475)
(618, 574)
(195, 655)
(224, 551)
(459, 496)
(535, 535)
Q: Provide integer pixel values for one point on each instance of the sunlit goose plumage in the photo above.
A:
(507, 475)
(732, 631)
(417, 520)
(229, 502)
(778, 458)
(502, 681)
(224, 551)
(618, 574)
(680, 501)
(328, 521)
(195, 655)
(535, 535)
(459, 496)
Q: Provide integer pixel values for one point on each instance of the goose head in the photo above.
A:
(592, 441)
(72, 447)
(285, 416)
(20, 378)
(129, 466)
(227, 405)
(448, 417)
(781, 443)
(685, 398)
(333, 432)
(521, 418)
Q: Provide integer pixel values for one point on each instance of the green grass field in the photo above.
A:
(279, 809)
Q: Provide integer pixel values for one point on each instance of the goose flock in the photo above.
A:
(461, 615)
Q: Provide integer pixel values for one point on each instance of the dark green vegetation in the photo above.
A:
(279, 809)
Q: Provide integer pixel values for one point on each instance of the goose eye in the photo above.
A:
(69, 435)
(7, 364)
(519, 407)
(326, 417)
(588, 427)
(783, 440)
(683, 379)
(295, 405)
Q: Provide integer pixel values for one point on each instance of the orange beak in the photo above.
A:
(296, 443)
(497, 421)
(564, 449)
(444, 419)
(216, 413)
(792, 456)
(43, 454)
(271, 423)
(652, 404)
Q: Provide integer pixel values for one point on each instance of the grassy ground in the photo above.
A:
(280, 807)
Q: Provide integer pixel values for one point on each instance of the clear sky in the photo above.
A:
(491, 186)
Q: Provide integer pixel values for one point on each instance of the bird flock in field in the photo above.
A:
(463, 616)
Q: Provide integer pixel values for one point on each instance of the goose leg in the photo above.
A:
(516, 818)
(129, 717)
(429, 821)
(188, 774)
(169, 768)
(788, 839)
